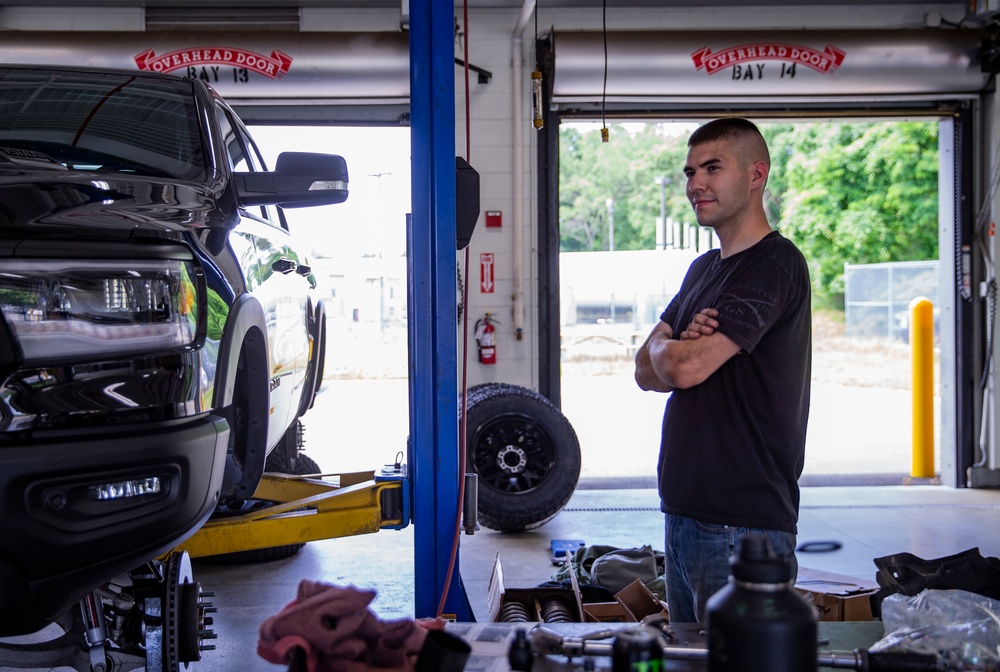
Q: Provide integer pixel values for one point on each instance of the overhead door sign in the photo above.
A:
(486, 273)
(792, 55)
(666, 67)
(273, 66)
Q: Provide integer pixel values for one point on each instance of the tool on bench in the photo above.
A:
(545, 641)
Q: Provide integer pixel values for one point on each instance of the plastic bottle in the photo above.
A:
(519, 656)
(637, 649)
(758, 623)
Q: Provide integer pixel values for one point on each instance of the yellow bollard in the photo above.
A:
(922, 386)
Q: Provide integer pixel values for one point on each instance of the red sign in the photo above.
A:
(822, 61)
(494, 218)
(486, 283)
(273, 66)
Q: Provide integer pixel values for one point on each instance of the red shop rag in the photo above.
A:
(338, 632)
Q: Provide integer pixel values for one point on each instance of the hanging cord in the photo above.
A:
(453, 558)
(604, 90)
(465, 71)
(991, 307)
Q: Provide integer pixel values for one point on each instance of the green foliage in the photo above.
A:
(844, 192)
(624, 170)
(860, 193)
(218, 313)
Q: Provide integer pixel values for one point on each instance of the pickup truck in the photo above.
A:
(159, 330)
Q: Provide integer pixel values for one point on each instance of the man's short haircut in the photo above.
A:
(741, 130)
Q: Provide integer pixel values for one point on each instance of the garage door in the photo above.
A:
(668, 76)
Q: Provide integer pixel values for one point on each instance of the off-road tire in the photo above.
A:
(525, 453)
(284, 457)
(303, 466)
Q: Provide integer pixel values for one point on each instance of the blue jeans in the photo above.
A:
(697, 562)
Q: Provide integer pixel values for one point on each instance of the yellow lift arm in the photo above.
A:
(307, 508)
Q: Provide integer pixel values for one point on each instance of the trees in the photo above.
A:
(623, 169)
(859, 192)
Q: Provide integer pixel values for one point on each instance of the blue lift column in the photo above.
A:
(432, 309)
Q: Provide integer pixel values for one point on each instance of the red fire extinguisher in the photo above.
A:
(485, 338)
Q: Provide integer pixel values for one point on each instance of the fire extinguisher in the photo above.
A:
(485, 338)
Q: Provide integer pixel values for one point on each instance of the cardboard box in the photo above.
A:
(638, 602)
(631, 604)
(837, 597)
(532, 602)
(605, 612)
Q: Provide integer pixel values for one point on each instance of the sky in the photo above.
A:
(669, 128)
(374, 214)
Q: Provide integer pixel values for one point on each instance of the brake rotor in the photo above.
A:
(185, 620)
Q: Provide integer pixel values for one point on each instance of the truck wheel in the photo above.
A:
(277, 461)
(525, 453)
(285, 456)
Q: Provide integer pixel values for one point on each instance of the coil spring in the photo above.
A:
(556, 610)
(514, 612)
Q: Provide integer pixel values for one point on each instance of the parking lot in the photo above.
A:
(859, 421)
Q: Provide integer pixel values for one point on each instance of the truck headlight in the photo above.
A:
(85, 309)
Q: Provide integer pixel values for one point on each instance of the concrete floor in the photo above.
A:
(930, 521)
(880, 518)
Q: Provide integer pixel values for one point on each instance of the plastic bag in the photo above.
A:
(961, 628)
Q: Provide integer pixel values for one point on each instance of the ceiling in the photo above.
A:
(285, 15)
(230, 5)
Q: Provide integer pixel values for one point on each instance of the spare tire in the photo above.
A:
(525, 453)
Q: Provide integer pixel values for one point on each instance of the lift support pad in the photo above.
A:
(298, 509)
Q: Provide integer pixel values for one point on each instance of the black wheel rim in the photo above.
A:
(513, 454)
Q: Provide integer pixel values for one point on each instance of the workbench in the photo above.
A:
(490, 644)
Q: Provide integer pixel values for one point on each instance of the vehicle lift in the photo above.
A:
(445, 203)
(298, 509)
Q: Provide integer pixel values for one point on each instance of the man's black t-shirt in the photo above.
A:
(733, 446)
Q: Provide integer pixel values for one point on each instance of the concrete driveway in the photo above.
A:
(360, 424)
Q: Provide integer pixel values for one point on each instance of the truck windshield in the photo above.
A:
(103, 122)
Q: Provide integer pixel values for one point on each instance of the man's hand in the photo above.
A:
(645, 376)
(664, 364)
(703, 323)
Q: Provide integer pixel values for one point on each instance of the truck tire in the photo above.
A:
(277, 461)
(284, 457)
(525, 453)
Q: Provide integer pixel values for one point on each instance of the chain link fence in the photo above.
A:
(877, 297)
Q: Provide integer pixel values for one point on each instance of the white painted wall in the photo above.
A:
(491, 46)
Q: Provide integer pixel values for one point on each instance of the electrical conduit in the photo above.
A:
(517, 79)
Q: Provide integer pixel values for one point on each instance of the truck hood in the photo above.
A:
(60, 203)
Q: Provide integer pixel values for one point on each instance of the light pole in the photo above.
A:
(381, 264)
(611, 224)
(611, 244)
(663, 181)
